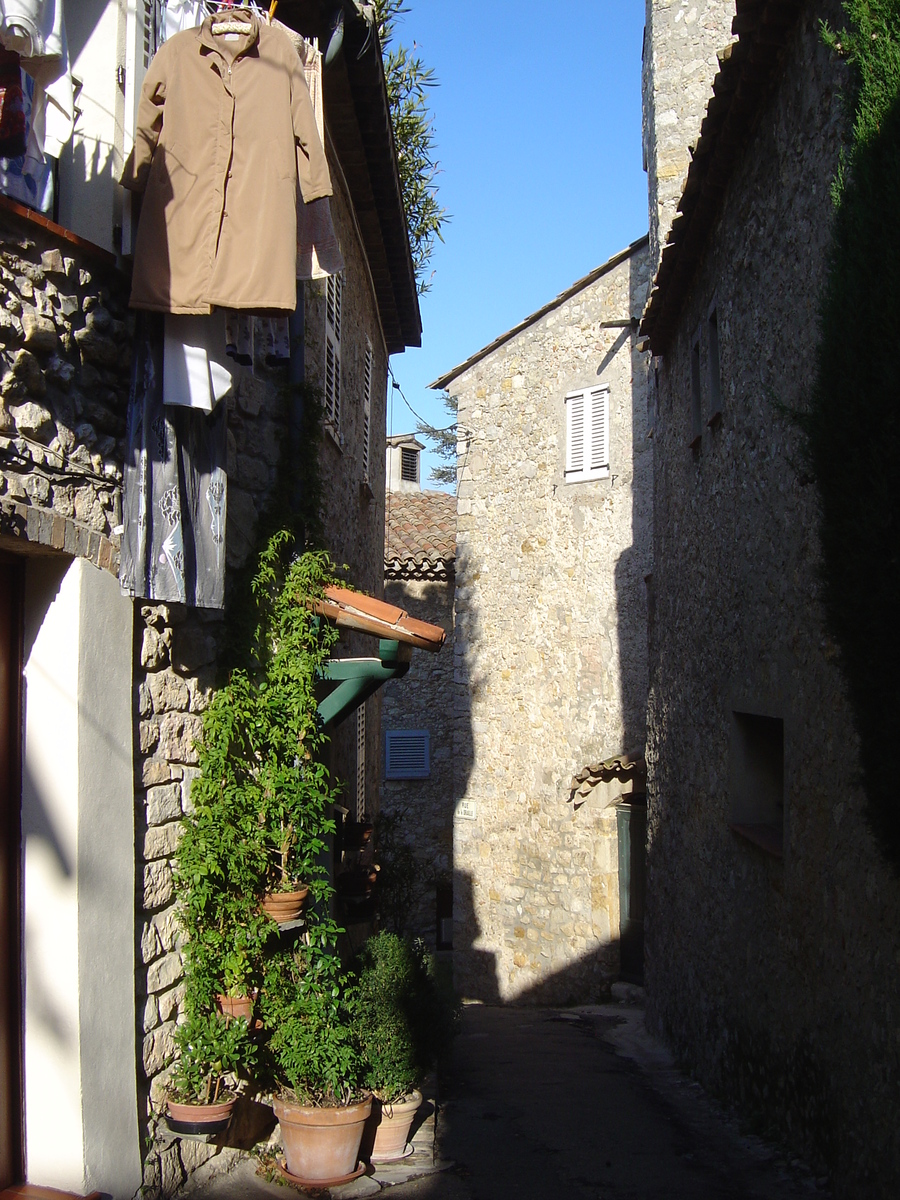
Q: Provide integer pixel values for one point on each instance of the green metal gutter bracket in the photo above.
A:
(359, 678)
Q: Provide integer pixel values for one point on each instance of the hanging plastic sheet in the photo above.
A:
(173, 544)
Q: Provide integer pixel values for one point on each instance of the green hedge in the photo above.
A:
(854, 439)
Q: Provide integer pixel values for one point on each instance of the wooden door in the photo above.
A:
(11, 1142)
(632, 831)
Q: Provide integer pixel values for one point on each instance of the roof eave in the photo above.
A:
(578, 286)
(359, 124)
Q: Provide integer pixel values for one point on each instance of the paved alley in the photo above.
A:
(580, 1103)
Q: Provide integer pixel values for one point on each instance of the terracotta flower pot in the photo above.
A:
(392, 1126)
(199, 1118)
(284, 906)
(235, 1006)
(321, 1144)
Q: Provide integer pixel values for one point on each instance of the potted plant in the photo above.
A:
(309, 1005)
(394, 1005)
(212, 1053)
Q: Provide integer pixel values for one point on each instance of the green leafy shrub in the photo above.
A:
(210, 1048)
(261, 807)
(309, 1011)
(404, 1022)
(853, 423)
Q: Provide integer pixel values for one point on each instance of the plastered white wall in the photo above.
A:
(78, 836)
(90, 165)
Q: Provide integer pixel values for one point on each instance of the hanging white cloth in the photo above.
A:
(195, 374)
(184, 14)
(33, 28)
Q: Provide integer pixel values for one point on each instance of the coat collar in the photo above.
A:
(226, 48)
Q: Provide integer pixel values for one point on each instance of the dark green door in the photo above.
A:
(632, 830)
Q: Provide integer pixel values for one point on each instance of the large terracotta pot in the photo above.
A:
(199, 1118)
(392, 1126)
(321, 1144)
(284, 906)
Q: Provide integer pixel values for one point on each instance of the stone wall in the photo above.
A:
(777, 980)
(551, 666)
(65, 356)
(180, 648)
(681, 41)
(424, 699)
(65, 353)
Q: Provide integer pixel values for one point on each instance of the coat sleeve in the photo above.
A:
(149, 124)
(312, 166)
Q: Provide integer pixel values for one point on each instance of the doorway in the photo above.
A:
(632, 833)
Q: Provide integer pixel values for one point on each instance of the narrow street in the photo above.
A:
(580, 1103)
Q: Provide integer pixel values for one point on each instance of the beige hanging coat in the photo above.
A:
(225, 126)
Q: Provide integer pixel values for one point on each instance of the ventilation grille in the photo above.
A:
(406, 754)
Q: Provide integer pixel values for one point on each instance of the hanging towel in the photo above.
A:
(195, 374)
(183, 14)
(173, 544)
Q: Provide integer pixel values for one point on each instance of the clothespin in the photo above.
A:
(272, 8)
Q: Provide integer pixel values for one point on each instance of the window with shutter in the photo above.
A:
(409, 465)
(333, 301)
(587, 435)
(406, 754)
(367, 409)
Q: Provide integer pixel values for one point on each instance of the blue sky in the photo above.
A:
(538, 130)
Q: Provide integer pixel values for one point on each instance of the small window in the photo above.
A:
(696, 394)
(367, 411)
(333, 316)
(713, 368)
(757, 780)
(406, 754)
(409, 465)
(587, 435)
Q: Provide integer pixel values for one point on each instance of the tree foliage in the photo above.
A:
(853, 423)
(408, 81)
(444, 443)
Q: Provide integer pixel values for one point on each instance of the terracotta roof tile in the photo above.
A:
(420, 535)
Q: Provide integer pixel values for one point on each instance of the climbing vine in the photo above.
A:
(853, 423)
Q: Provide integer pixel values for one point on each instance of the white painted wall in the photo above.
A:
(89, 197)
(78, 836)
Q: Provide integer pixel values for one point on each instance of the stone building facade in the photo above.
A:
(682, 39)
(773, 920)
(551, 653)
(417, 783)
(113, 690)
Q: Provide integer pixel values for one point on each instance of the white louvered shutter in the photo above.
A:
(587, 435)
(575, 422)
(599, 430)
